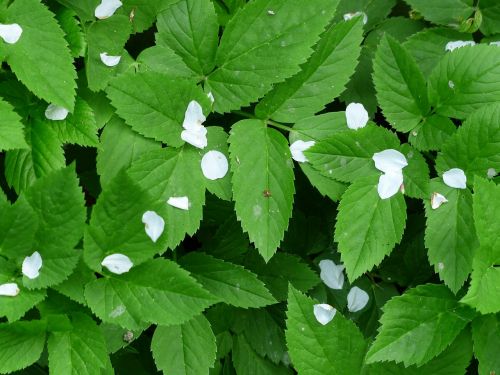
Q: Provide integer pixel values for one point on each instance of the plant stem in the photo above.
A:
(279, 126)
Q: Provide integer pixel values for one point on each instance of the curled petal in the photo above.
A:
(56, 113)
(193, 117)
(389, 184)
(107, 8)
(110, 60)
(331, 274)
(32, 265)
(389, 161)
(437, 200)
(153, 224)
(450, 46)
(357, 299)
(324, 313)
(297, 149)
(349, 16)
(455, 178)
(10, 33)
(179, 202)
(9, 290)
(356, 116)
(214, 165)
(117, 263)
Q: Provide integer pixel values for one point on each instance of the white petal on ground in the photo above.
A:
(450, 46)
(193, 117)
(349, 16)
(56, 113)
(153, 225)
(117, 263)
(389, 184)
(331, 274)
(110, 60)
(455, 178)
(32, 265)
(437, 200)
(9, 290)
(196, 137)
(10, 33)
(389, 161)
(324, 313)
(356, 116)
(356, 299)
(214, 165)
(179, 202)
(491, 172)
(107, 8)
(297, 149)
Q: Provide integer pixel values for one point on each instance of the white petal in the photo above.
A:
(491, 172)
(324, 313)
(110, 60)
(195, 136)
(349, 16)
(356, 116)
(450, 46)
(495, 43)
(179, 202)
(356, 299)
(455, 178)
(211, 97)
(389, 184)
(389, 161)
(9, 290)
(297, 149)
(214, 165)
(331, 274)
(153, 224)
(193, 117)
(32, 265)
(56, 113)
(437, 200)
(10, 33)
(117, 263)
(107, 8)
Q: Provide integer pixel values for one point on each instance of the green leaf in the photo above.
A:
(21, 344)
(401, 89)
(347, 155)
(162, 59)
(250, 60)
(490, 10)
(419, 325)
(368, 227)
(83, 8)
(444, 12)
(190, 28)
(74, 35)
(11, 128)
(233, 284)
(450, 236)
(18, 225)
(167, 295)
(432, 133)
(472, 84)
(106, 36)
(173, 173)
(80, 350)
(260, 155)
(42, 45)
(486, 336)
(416, 173)
(474, 146)
(142, 13)
(19, 171)
(322, 78)
(155, 104)
(187, 349)
(217, 140)
(112, 156)
(74, 286)
(336, 348)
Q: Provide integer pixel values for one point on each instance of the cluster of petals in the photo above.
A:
(194, 132)
(391, 163)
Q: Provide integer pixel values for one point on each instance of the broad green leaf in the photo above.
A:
(490, 11)
(443, 12)
(401, 88)
(474, 146)
(117, 337)
(486, 337)
(46, 154)
(347, 155)
(416, 174)
(21, 344)
(250, 60)
(453, 360)
(11, 128)
(233, 284)
(336, 348)
(368, 228)
(450, 236)
(112, 156)
(170, 173)
(247, 362)
(217, 140)
(419, 325)
(263, 185)
(42, 45)
(80, 350)
(74, 286)
(19, 171)
(162, 59)
(190, 28)
(73, 31)
(187, 349)
(83, 8)
(105, 36)
(155, 104)
(432, 133)
(486, 273)
(158, 292)
(322, 78)
(142, 13)
(465, 80)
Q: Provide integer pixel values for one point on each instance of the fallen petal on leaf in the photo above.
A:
(110, 60)
(117, 263)
(10, 33)
(193, 117)
(179, 202)
(455, 178)
(56, 113)
(437, 200)
(389, 184)
(153, 224)
(356, 116)
(331, 274)
(196, 137)
(32, 265)
(107, 8)
(356, 299)
(324, 313)
(350, 16)
(214, 165)
(297, 149)
(450, 46)
(9, 290)
(389, 161)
